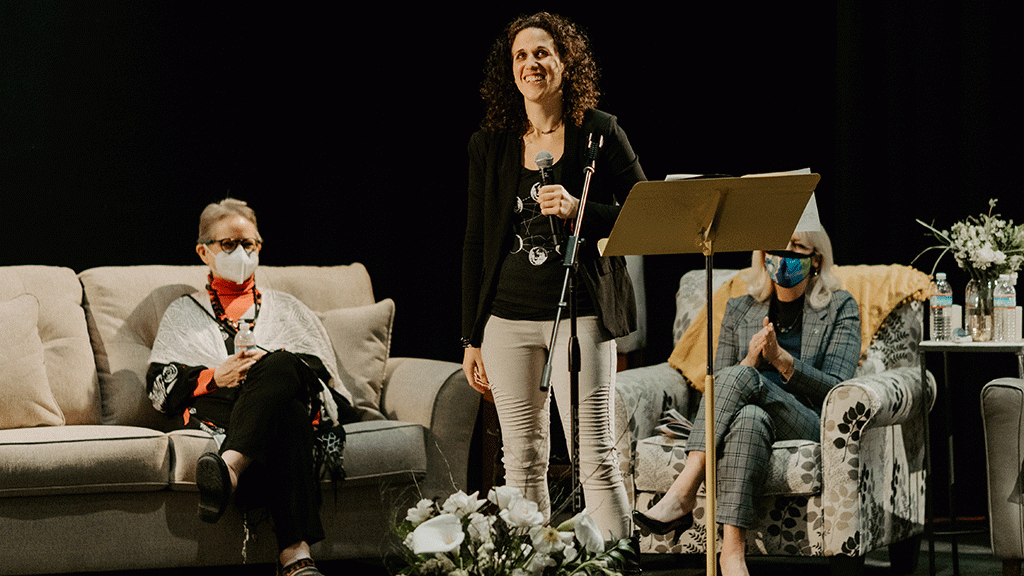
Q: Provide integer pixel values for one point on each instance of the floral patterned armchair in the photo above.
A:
(861, 488)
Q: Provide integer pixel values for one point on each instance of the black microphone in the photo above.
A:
(544, 161)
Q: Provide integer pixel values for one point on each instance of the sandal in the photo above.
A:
(214, 482)
(303, 567)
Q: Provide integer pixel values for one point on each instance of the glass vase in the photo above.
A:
(978, 309)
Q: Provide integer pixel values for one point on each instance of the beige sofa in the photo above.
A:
(92, 478)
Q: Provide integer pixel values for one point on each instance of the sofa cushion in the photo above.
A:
(82, 460)
(384, 451)
(25, 396)
(362, 340)
(186, 447)
(61, 327)
(377, 451)
(794, 466)
(124, 307)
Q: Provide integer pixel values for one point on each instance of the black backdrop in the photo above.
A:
(346, 129)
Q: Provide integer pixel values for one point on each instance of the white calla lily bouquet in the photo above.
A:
(458, 539)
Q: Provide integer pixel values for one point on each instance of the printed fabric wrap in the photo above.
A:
(190, 335)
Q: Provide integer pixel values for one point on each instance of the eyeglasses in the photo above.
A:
(229, 244)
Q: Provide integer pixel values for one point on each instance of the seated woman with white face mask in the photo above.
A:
(259, 403)
(782, 347)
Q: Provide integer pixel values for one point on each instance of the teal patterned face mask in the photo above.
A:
(787, 268)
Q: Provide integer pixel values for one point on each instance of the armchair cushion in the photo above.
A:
(689, 356)
(878, 291)
(794, 466)
(895, 342)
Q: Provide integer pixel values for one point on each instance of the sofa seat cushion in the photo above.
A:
(795, 466)
(384, 450)
(376, 451)
(187, 446)
(82, 460)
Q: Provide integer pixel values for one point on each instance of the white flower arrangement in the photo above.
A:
(984, 246)
(457, 539)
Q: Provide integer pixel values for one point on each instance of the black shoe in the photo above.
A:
(214, 482)
(679, 525)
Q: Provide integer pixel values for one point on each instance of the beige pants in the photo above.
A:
(514, 353)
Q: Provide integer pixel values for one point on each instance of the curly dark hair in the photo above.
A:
(504, 103)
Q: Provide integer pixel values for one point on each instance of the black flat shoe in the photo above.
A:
(678, 526)
(214, 482)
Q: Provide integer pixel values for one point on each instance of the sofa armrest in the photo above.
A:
(872, 431)
(437, 396)
(641, 395)
(1002, 410)
(884, 399)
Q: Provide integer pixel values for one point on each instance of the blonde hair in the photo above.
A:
(822, 283)
(218, 211)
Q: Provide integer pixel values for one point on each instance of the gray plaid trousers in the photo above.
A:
(751, 412)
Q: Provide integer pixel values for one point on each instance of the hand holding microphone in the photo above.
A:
(554, 200)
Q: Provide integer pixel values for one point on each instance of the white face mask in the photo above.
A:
(237, 266)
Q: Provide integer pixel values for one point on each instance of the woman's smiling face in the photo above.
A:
(536, 66)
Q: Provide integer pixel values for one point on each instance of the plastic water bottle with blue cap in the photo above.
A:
(941, 308)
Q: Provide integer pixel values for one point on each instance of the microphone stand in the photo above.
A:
(569, 288)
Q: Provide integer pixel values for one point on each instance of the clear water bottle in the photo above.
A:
(1004, 309)
(941, 308)
(245, 339)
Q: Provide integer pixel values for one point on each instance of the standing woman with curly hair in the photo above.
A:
(541, 92)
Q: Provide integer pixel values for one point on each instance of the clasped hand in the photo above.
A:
(764, 346)
(232, 372)
(554, 200)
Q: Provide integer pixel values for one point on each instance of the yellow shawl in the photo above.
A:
(877, 289)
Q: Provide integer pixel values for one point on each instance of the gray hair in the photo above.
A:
(218, 211)
(822, 284)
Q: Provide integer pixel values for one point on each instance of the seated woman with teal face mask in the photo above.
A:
(782, 347)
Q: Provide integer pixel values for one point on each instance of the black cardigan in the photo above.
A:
(495, 161)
